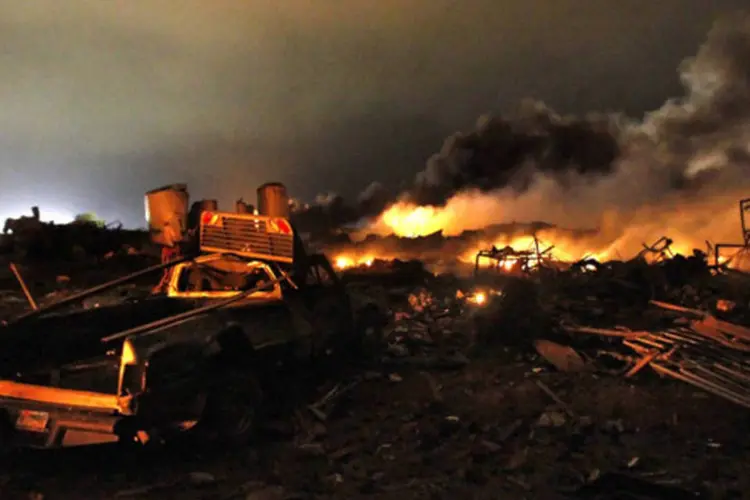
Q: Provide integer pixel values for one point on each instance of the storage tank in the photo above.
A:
(273, 200)
(166, 213)
(209, 205)
(241, 207)
(197, 208)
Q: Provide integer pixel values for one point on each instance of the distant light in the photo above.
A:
(45, 215)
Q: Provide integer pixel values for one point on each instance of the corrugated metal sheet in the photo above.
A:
(715, 366)
(248, 235)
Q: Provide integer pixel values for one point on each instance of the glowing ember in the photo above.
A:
(724, 305)
(481, 297)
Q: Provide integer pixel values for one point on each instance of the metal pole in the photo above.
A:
(25, 289)
(99, 288)
(195, 312)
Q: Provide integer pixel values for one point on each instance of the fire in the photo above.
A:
(562, 250)
(469, 212)
(462, 212)
(479, 297)
(412, 221)
(343, 262)
(348, 261)
(690, 222)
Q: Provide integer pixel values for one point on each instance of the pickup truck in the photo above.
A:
(182, 360)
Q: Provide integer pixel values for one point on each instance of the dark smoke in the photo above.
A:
(506, 152)
(690, 143)
(536, 162)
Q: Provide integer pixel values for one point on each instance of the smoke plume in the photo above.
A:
(509, 151)
(678, 171)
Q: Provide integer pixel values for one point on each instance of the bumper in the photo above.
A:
(27, 424)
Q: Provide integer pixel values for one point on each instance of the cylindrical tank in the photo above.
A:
(273, 200)
(197, 208)
(166, 213)
(209, 205)
(241, 207)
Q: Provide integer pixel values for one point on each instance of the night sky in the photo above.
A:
(104, 100)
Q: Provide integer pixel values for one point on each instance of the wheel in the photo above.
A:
(232, 409)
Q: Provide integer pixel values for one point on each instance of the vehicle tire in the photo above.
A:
(233, 409)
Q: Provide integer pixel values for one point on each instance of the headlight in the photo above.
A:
(132, 373)
(147, 210)
(129, 356)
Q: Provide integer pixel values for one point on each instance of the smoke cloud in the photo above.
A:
(678, 172)
(509, 151)
(103, 101)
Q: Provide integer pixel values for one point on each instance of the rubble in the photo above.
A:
(538, 385)
(389, 273)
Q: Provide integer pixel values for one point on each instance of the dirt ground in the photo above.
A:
(487, 431)
(505, 425)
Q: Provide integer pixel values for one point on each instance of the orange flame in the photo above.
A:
(345, 261)
(618, 236)
(408, 220)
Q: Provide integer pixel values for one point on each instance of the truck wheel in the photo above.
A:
(232, 409)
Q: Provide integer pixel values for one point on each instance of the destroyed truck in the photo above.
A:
(185, 359)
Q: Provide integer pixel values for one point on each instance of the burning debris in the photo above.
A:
(520, 249)
(513, 261)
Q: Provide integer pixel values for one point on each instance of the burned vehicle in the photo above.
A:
(185, 358)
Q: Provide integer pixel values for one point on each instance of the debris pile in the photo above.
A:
(509, 260)
(600, 314)
(696, 348)
(389, 273)
(533, 384)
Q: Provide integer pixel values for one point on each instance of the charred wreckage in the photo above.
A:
(186, 357)
(238, 287)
